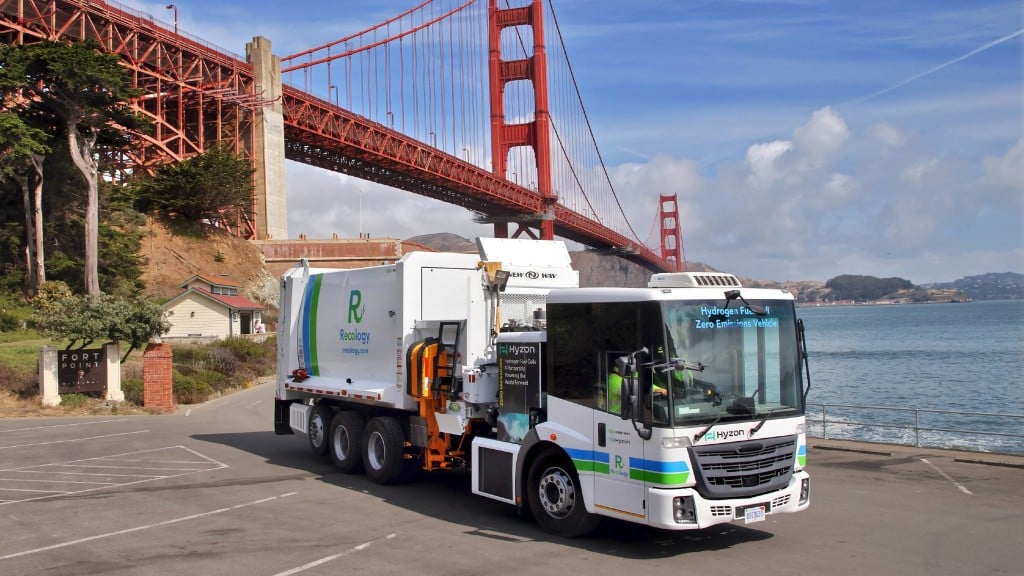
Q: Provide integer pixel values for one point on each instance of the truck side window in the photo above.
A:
(580, 337)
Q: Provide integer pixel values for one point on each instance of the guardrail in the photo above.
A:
(920, 427)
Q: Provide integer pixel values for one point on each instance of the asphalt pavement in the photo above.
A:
(211, 490)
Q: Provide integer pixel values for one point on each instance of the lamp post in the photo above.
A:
(175, 8)
(360, 189)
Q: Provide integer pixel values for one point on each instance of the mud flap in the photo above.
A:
(281, 424)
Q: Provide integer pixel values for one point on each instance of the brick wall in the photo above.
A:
(157, 390)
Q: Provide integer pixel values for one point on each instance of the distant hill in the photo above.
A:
(597, 269)
(991, 286)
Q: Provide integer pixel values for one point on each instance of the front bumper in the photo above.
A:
(711, 512)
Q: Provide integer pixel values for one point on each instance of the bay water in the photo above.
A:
(964, 361)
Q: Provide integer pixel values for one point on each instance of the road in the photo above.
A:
(212, 490)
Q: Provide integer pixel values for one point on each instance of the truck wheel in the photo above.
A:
(346, 442)
(319, 423)
(382, 450)
(555, 498)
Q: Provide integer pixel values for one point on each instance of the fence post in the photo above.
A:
(917, 428)
(824, 424)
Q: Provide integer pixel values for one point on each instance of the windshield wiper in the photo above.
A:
(756, 428)
(700, 434)
(731, 295)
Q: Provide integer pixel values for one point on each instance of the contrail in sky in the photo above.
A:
(961, 58)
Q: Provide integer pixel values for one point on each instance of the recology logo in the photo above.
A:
(356, 309)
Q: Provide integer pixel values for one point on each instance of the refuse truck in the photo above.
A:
(679, 405)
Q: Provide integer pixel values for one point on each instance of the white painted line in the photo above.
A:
(151, 455)
(74, 440)
(31, 490)
(63, 425)
(959, 486)
(138, 528)
(51, 481)
(330, 558)
(119, 468)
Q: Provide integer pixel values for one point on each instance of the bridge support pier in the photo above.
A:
(271, 210)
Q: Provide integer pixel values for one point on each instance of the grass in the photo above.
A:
(22, 354)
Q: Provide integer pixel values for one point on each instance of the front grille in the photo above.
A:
(741, 469)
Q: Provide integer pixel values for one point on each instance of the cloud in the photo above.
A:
(837, 199)
(887, 134)
(820, 137)
(1007, 170)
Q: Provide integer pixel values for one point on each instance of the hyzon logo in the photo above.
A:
(356, 309)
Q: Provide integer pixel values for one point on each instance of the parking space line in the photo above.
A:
(73, 440)
(80, 472)
(143, 527)
(31, 490)
(958, 485)
(2, 431)
(52, 481)
(127, 467)
(332, 557)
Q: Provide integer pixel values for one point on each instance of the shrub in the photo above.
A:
(195, 357)
(189, 389)
(133, 391)
(242, 348)
(21, 383)
(74, 400)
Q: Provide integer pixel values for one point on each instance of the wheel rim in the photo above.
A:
(376, 452)
(556, 492)
(316, 430)
(341, 442)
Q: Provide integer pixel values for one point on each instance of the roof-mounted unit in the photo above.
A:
(693, 280)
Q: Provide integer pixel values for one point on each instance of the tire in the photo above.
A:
(382, 450)
(317, 428)
(555, 497)
(346, 442)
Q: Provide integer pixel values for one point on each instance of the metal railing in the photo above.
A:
(920, 427)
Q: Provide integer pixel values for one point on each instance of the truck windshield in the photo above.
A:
(724, 362)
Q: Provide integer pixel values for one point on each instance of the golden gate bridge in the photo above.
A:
(463, 101)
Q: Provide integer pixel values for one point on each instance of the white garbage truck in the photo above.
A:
(679, 405)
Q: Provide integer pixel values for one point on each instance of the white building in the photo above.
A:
(212, 308)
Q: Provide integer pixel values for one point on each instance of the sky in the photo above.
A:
(804, 138)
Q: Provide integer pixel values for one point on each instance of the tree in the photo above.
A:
(83, 319)
(22, 150)
(205, 187)
(89, 92)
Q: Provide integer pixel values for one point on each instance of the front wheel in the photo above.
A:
(555, 498)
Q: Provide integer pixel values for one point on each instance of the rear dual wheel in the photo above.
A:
(346, 441)
(382, 450)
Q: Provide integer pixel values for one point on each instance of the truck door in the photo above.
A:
(621, 490)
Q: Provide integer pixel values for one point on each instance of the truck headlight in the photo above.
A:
(683, 511)
(805, 490)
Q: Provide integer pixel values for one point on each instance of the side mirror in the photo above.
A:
(630, 402)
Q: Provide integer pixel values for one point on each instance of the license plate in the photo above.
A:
(753, 514)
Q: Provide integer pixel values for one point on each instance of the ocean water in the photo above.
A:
(962, 358)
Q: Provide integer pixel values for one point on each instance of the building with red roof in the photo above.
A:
(210, 307)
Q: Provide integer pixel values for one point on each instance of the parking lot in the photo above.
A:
(211, 489)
